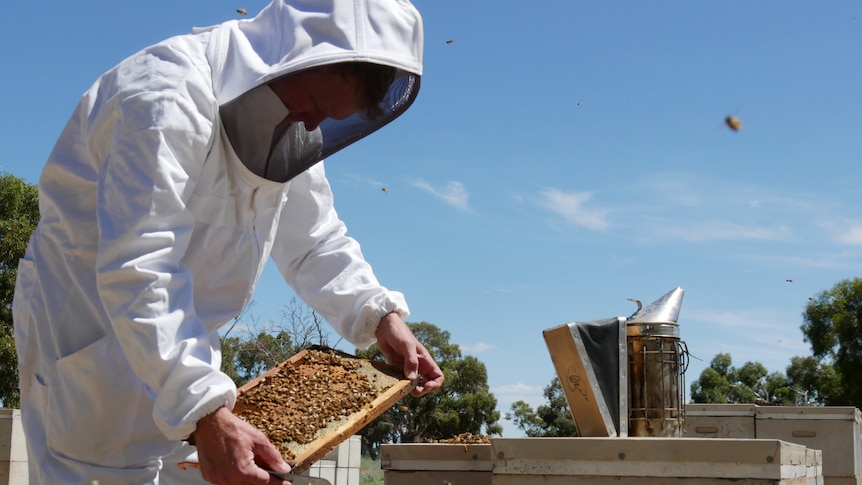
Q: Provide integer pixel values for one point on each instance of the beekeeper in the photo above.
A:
(181, 171)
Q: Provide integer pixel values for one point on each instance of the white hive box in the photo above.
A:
(436, 464)
(653, 461)
(720, 421)
(13, 448)
(835, 430)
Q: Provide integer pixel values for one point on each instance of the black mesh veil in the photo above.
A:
(303, 149)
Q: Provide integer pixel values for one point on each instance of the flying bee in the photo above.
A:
(449, 41)
(241, 11)
(385, 190)
(733, 123)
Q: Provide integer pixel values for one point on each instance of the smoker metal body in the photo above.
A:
(656, 368)
(656, 380)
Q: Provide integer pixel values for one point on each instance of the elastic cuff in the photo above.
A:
(375, 310)
(184, 431)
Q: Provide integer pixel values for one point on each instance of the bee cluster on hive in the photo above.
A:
(295, 405)
(466, 439)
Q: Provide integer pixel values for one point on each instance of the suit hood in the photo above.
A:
(292, 35)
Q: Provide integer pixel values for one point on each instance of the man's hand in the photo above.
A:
(401, 348)
(231, 451)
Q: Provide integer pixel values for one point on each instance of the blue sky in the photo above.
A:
(558, 161)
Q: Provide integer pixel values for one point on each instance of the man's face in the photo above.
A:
(313, 95)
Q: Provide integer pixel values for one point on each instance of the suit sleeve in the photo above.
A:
(325, 267)
(156, 143)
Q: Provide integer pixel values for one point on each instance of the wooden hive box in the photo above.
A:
(720, 421)
(835, 430)
(436, 464)
(653, 461)
(13, 448)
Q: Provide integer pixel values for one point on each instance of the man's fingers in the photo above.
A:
(431, 377)
(430, 381)
(267, 456)
(401, 348)
(411, 363)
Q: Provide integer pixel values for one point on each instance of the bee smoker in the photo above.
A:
(657, 363)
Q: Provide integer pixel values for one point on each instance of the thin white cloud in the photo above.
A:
(478, 347)
(510, 393)
(571, 206)
(679, 206)
(675, 188)
(850, 234)
(716, 230)
(763, 225)
(751, 319)
(454, 194)
(689, 192)
(360, 180)
(830, 260)
(766, 336)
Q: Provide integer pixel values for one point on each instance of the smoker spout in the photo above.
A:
(663, 310)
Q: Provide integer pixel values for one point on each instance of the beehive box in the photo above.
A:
(13, 448)
(720, 421)
(436, 464)
(835, 430)
(340, 466)
(318, 398)
(653, 461)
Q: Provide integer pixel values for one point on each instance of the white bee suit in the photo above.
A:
(153, 234)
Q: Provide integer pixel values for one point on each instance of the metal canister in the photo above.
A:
(657, 362)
